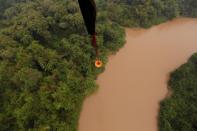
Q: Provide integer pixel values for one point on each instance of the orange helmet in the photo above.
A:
(98, 63)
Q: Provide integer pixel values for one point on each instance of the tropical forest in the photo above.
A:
(47, 66)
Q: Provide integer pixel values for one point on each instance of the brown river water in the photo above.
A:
(135, 79)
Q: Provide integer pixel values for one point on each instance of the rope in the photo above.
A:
(94, 44)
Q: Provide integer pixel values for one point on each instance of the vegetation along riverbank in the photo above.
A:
(46, 67)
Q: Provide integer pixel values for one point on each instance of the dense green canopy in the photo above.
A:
(46, 64)
(46, 59)
(144, 13)
(179, 111)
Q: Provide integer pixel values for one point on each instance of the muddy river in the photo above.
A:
(135, 79)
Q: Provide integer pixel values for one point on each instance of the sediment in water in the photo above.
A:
(135, 80)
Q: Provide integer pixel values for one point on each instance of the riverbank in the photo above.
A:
(135, 80)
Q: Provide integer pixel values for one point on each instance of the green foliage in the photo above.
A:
(188, 7)
(46, 63)
(46, 59)
(145, 13)
(179, 111)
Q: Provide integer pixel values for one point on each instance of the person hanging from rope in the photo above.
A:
(88, 10)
